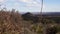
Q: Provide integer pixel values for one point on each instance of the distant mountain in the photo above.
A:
(44, 13)
(51, 14)
(47, 13)
(30, 12)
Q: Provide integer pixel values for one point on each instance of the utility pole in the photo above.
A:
(41, 6)
(44, 25)
(41, 10)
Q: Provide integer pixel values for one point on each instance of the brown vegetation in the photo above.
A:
(10, 22)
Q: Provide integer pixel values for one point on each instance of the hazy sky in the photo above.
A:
(31, 5)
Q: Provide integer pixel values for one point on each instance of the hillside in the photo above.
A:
(50, 23)
(12, 22)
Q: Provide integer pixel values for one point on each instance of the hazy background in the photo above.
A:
(31, 5)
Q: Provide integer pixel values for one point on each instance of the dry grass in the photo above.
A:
(10, 22)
